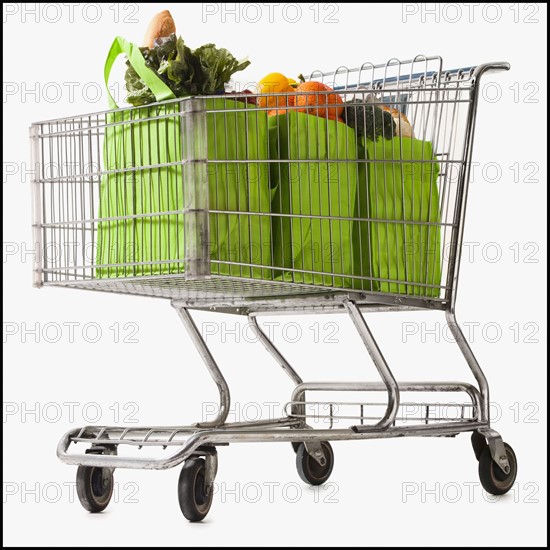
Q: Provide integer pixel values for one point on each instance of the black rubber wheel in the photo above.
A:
(94, 487)
(296, 445)
(309, 470)
(493, 479)
(478, 444)
(194, 500)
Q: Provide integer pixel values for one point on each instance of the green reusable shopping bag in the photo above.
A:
(141, 227)
(315, 188)
(402, 187)
(375, 189)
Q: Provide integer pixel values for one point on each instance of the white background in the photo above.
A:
(396, 492)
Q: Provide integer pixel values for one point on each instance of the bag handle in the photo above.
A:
(160, 90)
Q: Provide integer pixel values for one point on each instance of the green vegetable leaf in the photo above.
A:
(203, 71)
(219, 65)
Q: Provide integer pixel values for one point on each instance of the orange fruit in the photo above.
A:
(334, 116)
(316, 95)
(278, 111)
(289, 100)
(271, 85)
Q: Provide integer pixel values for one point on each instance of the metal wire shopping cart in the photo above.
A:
(221, 225)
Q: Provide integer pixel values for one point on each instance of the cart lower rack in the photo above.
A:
(216, 206)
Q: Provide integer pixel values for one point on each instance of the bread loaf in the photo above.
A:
(403, 127)
(161, 25)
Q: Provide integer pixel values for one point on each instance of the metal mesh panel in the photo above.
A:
(186, 197)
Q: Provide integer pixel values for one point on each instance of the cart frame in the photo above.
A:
(201, 439)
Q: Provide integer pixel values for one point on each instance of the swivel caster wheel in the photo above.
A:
(94, 487)
(195, 498)
(309, 470)
(493, 479)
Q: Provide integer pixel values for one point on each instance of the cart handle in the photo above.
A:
(160, 90)
(491, 68)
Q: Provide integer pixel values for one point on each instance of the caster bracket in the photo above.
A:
(496, 446)
(211, 466)
(315, 450)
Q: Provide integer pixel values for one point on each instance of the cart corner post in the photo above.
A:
(36, 190)
(195, 188)
(464, 179)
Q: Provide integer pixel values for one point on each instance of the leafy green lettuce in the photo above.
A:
(202, 71)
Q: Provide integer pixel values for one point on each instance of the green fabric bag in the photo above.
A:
(402, 185)
(146, 243)
(387, 180)
(310, 195)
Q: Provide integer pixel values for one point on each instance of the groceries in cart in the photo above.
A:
(201, 71)
(307, 181)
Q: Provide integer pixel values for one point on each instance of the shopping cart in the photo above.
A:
(73, 224)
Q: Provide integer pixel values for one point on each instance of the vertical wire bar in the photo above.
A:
(54, 200)
(216, 219)
(96, 166)
(177, 189)
(144, 208)
(159, 161)
(244, 221)
(83, 148)
(149, 220)
(44, 233)
(452, 161)
(114, 237)
(264, 171)
(296, 191)
(66, 191)
(448, 167)
(341, 164)
(432, 291)
(322, 98)
(60, 202)
(36, 187)
(75, 177)
(284, 220)
(231, 212)
(87, 209)
(166, 121)
(249, 219)
(403, 288)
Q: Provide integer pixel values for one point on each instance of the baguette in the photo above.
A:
(160, 26)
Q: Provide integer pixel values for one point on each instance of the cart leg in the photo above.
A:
(492, 437)
(286, 366)
(211, 365)
(468, 354)
(272, 349)
(382, 366)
